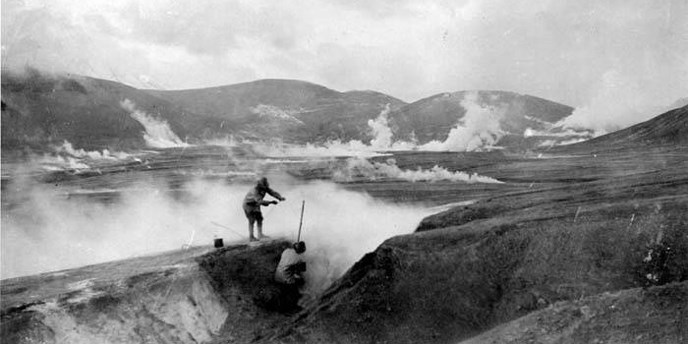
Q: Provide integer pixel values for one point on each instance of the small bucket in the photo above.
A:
(218, 243)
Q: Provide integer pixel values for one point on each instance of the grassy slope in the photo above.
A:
(326, 114)
(432, 118)
(87, 112)
(652, 315)
(40, 109)
(669, 128)
(508, 255)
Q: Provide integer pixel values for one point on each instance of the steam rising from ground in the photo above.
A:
(357, 168)
(158, 133)
(66, 157)
(620, 100)
(479, 129)
(51, 228)
(334, 148)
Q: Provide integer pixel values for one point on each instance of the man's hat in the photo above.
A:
(300, 247)
(263, 182)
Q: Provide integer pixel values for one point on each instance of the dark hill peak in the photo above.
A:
(258, 84)
(292, 110)
(45, 109)
(373, 93)
(432, 118)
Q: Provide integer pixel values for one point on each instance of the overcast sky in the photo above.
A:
(611, 59)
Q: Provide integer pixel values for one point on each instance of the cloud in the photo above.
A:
(411, 49)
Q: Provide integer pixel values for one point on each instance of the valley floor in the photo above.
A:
(569, 248)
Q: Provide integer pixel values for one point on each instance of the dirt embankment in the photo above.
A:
(200, 295)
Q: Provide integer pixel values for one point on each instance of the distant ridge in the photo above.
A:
(40, 109)
(432, 118)
(291, 110)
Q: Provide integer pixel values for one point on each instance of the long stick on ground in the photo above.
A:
(225, 227)
(303, 205)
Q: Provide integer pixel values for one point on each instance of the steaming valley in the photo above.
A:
(461, 217)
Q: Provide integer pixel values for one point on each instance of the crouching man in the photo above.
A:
(289, 275)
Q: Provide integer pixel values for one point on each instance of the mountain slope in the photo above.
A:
(40, 109)
(669, 128)
(476, 266)
(289, 109)
(520, 121)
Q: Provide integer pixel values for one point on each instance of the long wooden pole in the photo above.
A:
(303, 205)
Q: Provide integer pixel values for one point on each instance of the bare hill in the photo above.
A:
(39, 109)
(434, 117)
(289, 109)
(88, 112)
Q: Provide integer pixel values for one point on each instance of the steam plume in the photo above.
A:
(479, 129)
(362, 169)
(158, 133)
(47, 231)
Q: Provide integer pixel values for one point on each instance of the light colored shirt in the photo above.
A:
(284, 272)
(255, 196)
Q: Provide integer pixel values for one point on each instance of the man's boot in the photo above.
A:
(251, 238)
(260, 232)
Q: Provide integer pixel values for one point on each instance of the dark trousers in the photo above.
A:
(290, 296)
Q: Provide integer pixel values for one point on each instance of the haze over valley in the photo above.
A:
(472, 172)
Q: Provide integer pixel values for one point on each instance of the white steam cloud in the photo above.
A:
(66, 157)
(362, 169)
(479, 129)
(158, 133)
(47, 230)
(335, 148)
(105, 154)
(382, 134)
(381, 142)
(620, 101)
(271, 111)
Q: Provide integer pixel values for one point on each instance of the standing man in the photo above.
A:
(252, 203)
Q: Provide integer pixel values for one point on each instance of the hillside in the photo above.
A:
(521, 122)
(191, 295)
(289, 109)
(40, 109)
(617, 224)
(564, 232)
(669, 128)
(652, 315)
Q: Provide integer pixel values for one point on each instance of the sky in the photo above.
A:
(615, 61)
